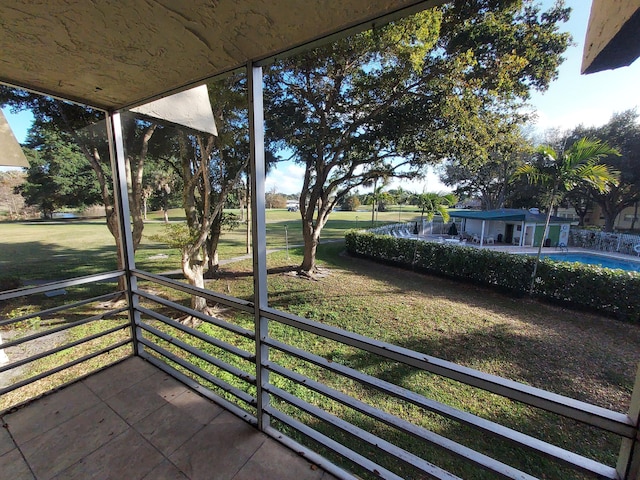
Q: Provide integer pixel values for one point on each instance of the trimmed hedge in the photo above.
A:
(613, 292)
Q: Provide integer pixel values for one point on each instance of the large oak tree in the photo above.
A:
(386, 102)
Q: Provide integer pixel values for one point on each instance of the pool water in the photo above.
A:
(600, 260)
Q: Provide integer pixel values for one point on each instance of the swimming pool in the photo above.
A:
(592, 259)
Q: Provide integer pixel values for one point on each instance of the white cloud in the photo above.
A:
(285, 178)
(588, 117)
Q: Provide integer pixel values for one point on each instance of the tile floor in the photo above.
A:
(133, 421)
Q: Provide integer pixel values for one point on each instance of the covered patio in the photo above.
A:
(173, 401)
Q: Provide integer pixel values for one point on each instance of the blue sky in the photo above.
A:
(570, 100)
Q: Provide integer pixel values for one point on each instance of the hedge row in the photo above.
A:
(613, 292)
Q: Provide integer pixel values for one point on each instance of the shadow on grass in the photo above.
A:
(39, 260)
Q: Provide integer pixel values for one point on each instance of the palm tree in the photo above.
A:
(435, 203)
(560, 173)
(375, 197)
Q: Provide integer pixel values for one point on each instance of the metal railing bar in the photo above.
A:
(243, 396)
(568, 458)
(201, 389)
(467, 418)
(237, 372)
(68, 306)
(336, 447)
(433, 471)
(46, 353)
(460, 451)
(248, 356)
(42, 375)
(243, 332)
(25, 291)
(308, 454)
(609, 420)
(61, 328)
(232, 302)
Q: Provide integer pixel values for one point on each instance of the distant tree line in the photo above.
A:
(494, 183)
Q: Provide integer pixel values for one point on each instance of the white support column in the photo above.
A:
(121, 199)
(258, 225)
(628, 466)
(482, 233)
(522, 232)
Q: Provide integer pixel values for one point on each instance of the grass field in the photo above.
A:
(581, 355)
(55, 250)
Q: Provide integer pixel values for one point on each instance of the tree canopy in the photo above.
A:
(58, 174)
(389, 101)
(622, 131)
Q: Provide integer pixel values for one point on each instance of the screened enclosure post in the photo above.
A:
(258, 226)
(629, 459)
(121, 199)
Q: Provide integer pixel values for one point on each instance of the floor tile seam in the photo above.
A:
(16, 447)
(84, 410)
(175, 449)
(265, 438)
(220, 409)
(92, 451)
(112, 393)
(85, 406)
(124, 432)
(129, 423)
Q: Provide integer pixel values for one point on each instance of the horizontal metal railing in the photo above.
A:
(63, 310)
(49, 287)
(586, 413)
(176, 351)
(232, 302)
(163, 344)
(499, 431)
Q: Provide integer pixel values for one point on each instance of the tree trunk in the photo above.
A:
(581, 217)
(114, 228)
(248, 196)
(193, 270)
(212, 246)
(310, 236)
(544, 235)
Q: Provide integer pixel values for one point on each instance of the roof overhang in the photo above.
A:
(114, 55)
(506, 215)
(613, 35)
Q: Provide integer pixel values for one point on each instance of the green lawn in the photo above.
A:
(54, 250)
(581, 355)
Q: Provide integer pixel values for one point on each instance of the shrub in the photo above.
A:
(613, 292)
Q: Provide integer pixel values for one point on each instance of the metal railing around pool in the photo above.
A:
(605, 241)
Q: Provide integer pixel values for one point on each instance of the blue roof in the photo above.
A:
(507, 215)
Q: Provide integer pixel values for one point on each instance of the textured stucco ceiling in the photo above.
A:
(113, 54)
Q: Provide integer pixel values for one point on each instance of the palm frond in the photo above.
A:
(587, 150)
